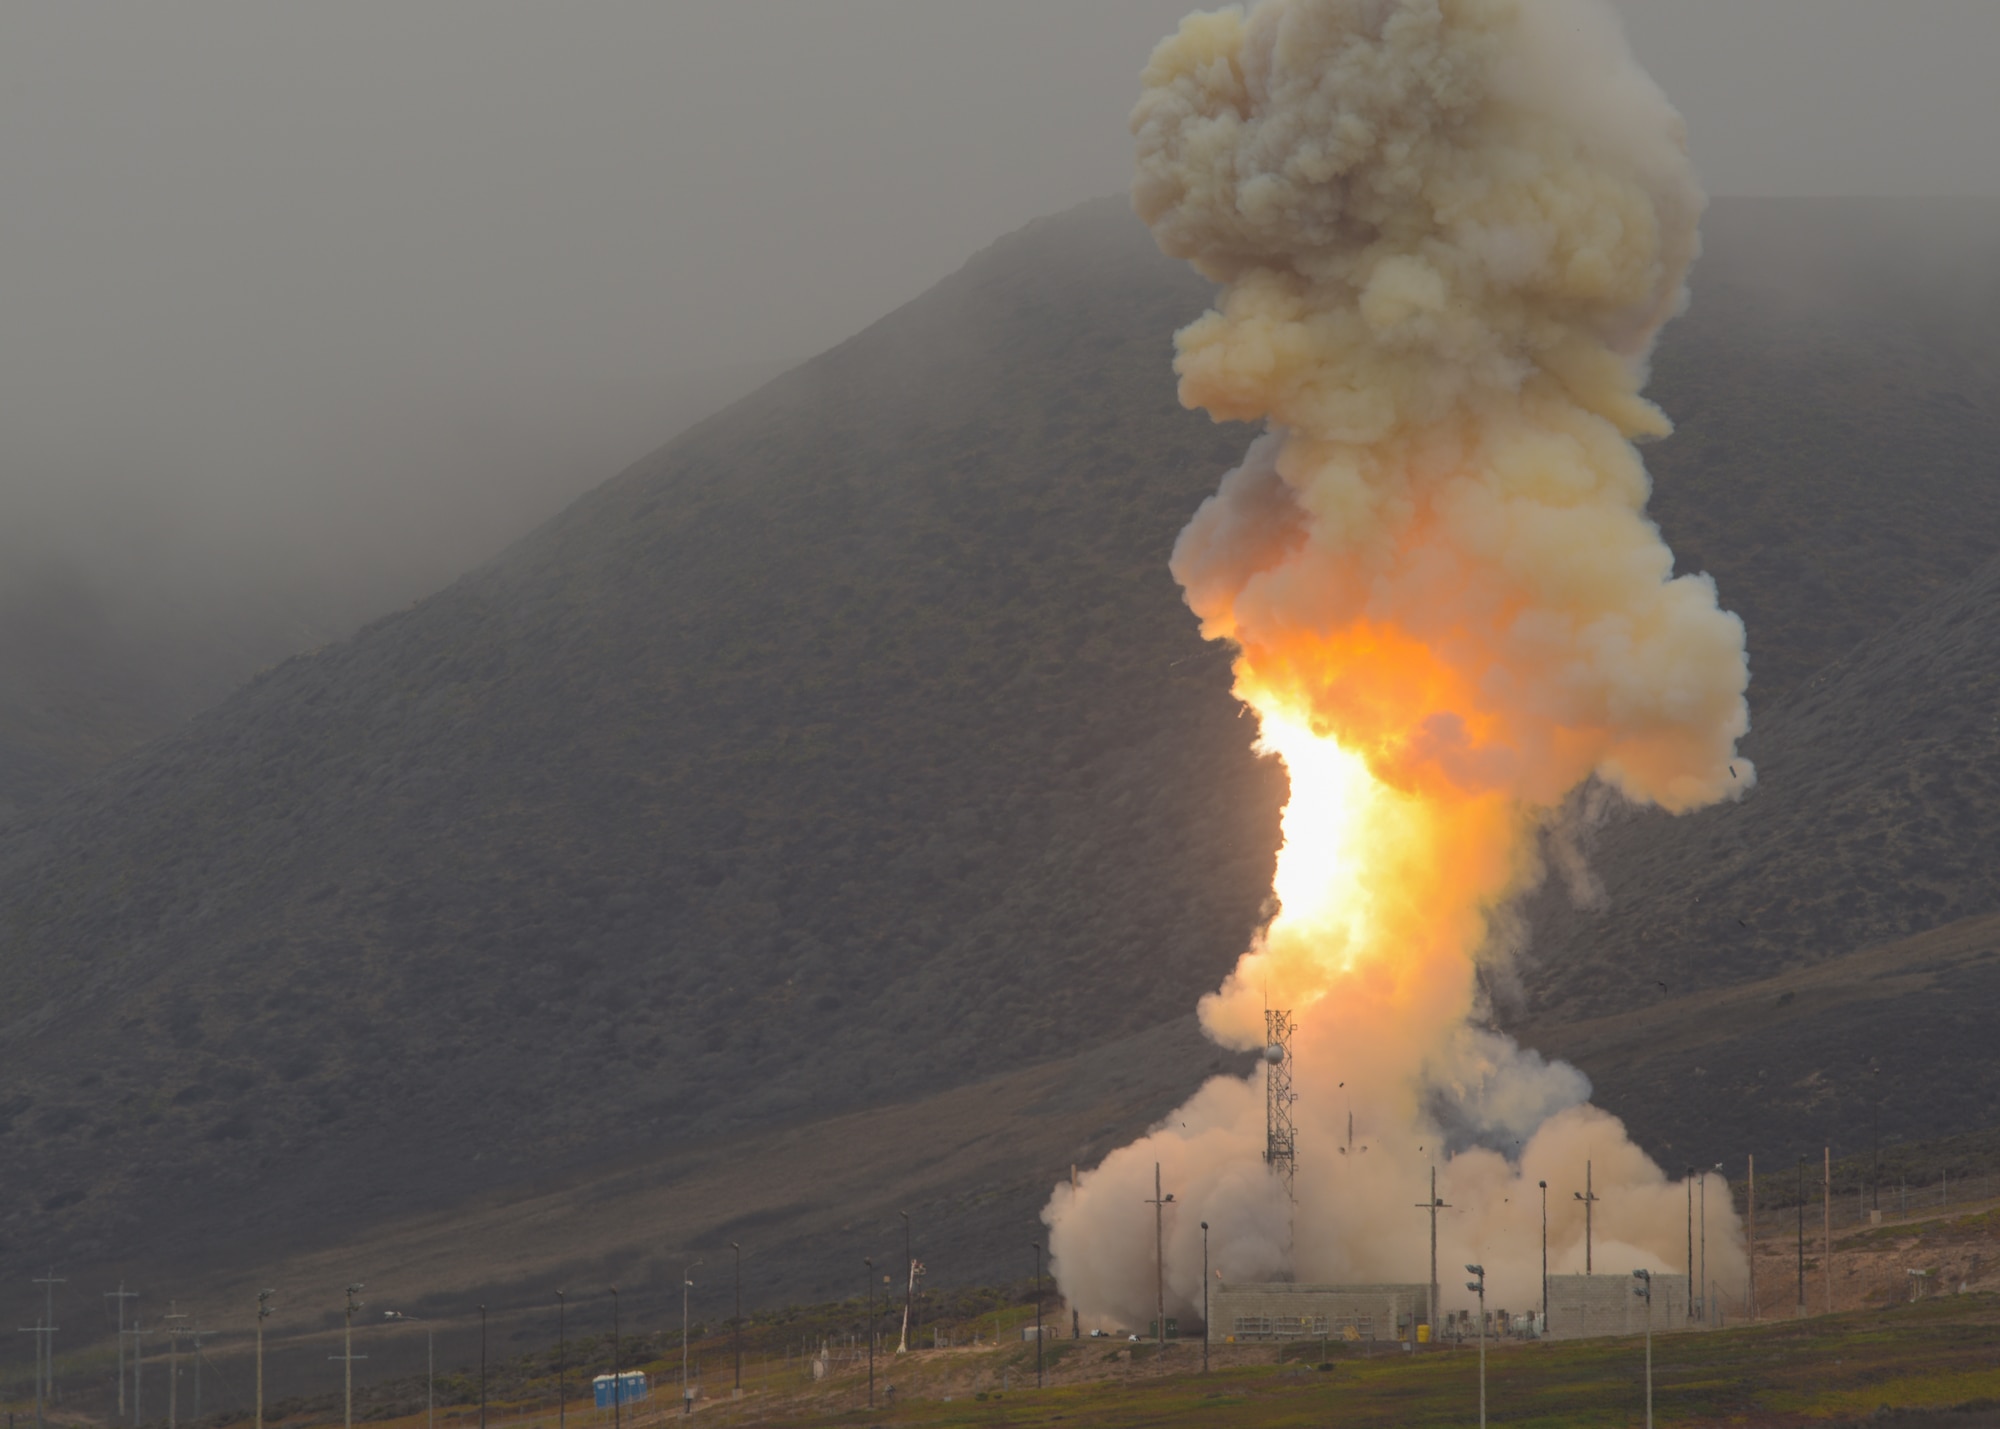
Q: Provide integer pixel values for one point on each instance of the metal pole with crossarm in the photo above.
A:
(1433, 1205)
(1159, 1203)
(1589, 1199)
(121, 1295)
(1478, 1287)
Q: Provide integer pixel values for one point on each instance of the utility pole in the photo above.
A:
(1589, 1199)
(1159, 1203)
(1826, 1201)
(1479, 1287)
(1644, 1290)
(869, 1262)
(736, 1323)
(562, 1364)
(347, 1355)
(615, 1395)
(197, 1366)
(138, 1373)
(1433, 1205)
(37, 1331)
(49, 1283)
(121, 1295)
(174, 1365)
(1206, 1334)
(617, 1378)
(1752, 1191)
(263, 1314)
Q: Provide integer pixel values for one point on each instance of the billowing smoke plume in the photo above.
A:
(1446, 234)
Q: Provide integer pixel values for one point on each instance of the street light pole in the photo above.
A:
(1644, 1290)
(1479, 1287)
(1206, 1334)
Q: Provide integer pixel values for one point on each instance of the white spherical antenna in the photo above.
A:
(1274, 1053)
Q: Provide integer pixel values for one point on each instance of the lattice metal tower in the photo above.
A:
(1281, 1143)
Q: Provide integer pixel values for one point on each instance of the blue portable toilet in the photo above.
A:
(631, 1387)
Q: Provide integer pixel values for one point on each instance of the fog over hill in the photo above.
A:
(856, 746)
(153, 569)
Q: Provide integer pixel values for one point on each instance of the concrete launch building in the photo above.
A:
(1255, 1312)
(1581, 1305)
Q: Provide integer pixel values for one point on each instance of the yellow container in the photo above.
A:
(1423, 1334)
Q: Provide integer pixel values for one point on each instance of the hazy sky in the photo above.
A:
(314, 273)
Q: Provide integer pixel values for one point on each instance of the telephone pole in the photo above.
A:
(1826, 1199)
(121, 1295)
(1589, 1199)
(138, 1372)
(1159, 1203)
(347, 1356)
(174, 1365)
(37, 1331)
(49, 1283)
(1433, 1205)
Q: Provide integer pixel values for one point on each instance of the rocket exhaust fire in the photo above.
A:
(1446, 234)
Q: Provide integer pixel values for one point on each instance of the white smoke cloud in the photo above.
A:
(1447, 233)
